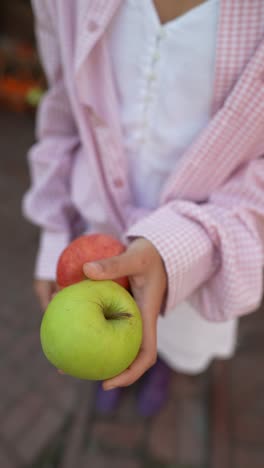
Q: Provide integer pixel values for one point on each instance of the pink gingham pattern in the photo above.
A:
(208, 226)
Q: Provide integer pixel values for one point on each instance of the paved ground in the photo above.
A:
(46, 420)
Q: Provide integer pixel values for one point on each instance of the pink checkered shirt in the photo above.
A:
(208, 225)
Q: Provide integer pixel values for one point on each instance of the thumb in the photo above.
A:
(124, 264)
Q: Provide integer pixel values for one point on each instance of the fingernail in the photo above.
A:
(109, 388)
(96, 267)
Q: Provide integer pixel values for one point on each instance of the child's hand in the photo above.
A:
(45, 290)
(143, 265)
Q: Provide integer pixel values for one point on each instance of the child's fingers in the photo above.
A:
(55, 290)
(111, 268)
(44, 290)
(142, 363)
(132, 262)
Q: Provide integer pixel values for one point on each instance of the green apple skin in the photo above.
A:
(92, 330)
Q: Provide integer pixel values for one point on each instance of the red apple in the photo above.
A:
(87, 248)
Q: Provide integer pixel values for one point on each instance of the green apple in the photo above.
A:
(92, 330)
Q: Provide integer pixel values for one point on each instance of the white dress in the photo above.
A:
(164, 77)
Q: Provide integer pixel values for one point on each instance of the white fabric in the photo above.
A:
(164, 77)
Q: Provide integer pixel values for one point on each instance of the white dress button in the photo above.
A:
(161, 34)
(148, 98)
(156, 57)
(152, 77)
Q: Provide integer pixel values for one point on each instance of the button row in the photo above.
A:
(151, 78)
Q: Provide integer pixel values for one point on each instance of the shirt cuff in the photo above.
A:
(185, 247)
(51, 245)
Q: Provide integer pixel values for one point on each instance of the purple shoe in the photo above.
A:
(107, 401)
(155, 389)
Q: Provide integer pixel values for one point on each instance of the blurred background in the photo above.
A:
(213, 420)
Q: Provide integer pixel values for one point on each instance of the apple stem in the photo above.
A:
(118, 315)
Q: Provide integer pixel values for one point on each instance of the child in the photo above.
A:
(153, 130)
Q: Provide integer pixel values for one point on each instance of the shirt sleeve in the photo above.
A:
(213, 251)
(47, 203)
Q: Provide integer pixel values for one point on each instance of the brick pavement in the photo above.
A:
(35, 404)
(214, 420)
